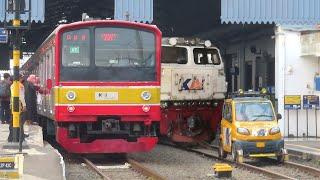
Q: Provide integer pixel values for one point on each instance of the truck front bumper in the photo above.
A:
(261, 148)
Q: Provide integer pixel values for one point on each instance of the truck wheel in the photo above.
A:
(280, 158)
(222, 153)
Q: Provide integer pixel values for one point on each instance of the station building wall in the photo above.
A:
(295, 76)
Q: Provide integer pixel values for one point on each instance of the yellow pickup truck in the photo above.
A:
(249, 128)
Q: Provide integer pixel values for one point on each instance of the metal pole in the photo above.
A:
(297, 122)
(307, 122)
(288, 122)
(316, 122)
(16, 62)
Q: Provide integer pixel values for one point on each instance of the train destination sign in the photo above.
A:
(310, 102)
(292, 102)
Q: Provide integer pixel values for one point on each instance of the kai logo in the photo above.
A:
(193, 83)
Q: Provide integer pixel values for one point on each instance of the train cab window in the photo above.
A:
(122, 47)
(76, 48)
(124, 54)
(206, 56)
(174, 55)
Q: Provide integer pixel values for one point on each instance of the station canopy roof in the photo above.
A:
(282, 12)
(37, 11)
(140, 11)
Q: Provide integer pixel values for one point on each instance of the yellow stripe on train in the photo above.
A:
(107, 95)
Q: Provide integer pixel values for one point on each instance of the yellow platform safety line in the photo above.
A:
(126, 95)
(17, 171)
(263, 155)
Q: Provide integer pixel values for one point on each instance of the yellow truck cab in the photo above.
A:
(249, 128)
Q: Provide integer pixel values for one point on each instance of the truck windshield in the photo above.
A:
(254, 111)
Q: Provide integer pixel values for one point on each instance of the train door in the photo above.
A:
(226, 127)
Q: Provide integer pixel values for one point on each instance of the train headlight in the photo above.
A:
(145, 108)
(274, 130)
(71, 95)
(145, 95)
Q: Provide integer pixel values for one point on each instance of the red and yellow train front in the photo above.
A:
(107, 92)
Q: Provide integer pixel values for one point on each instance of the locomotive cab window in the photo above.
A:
(206, 56)
(174, 55)
(76, 48)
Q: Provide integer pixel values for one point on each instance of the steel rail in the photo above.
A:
(94, 167)
(304, 168)
(134, 165)
(144, 170)
(242, 165)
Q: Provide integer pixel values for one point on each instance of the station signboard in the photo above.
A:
(292, 102)
(3, 36)
(310, 102)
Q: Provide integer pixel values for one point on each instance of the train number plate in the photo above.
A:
(102, 96)
(260, 144)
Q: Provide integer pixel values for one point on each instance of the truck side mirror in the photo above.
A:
(279, 116)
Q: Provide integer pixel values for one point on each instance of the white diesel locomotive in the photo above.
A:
(193, 87)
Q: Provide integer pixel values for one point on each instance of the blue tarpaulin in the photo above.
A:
(37, 11)
(134, 10)
(283, 12)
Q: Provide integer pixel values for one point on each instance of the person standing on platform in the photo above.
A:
(31, 100)
(5, 98)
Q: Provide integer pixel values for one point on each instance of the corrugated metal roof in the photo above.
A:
(284, 12)
(138, 10)
(37, 11)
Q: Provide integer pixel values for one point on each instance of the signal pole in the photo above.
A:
(16, 23)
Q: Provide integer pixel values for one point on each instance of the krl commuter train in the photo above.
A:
(100, 84)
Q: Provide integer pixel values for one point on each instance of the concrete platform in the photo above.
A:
(41, 161)
(306, 147)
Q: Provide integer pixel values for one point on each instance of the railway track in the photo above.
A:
(306, 169)
(207, 150)
(131, 169)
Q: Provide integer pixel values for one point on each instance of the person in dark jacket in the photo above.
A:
(31, 99)
(5, 101)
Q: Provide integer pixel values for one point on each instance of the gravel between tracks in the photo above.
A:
(307, 162)
(75, 168)
(174, 163)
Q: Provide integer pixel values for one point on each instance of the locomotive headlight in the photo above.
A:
(145, 108)
(145, 95)
(274, 130)
(207, 43)
(71, 95)
(173, 41)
